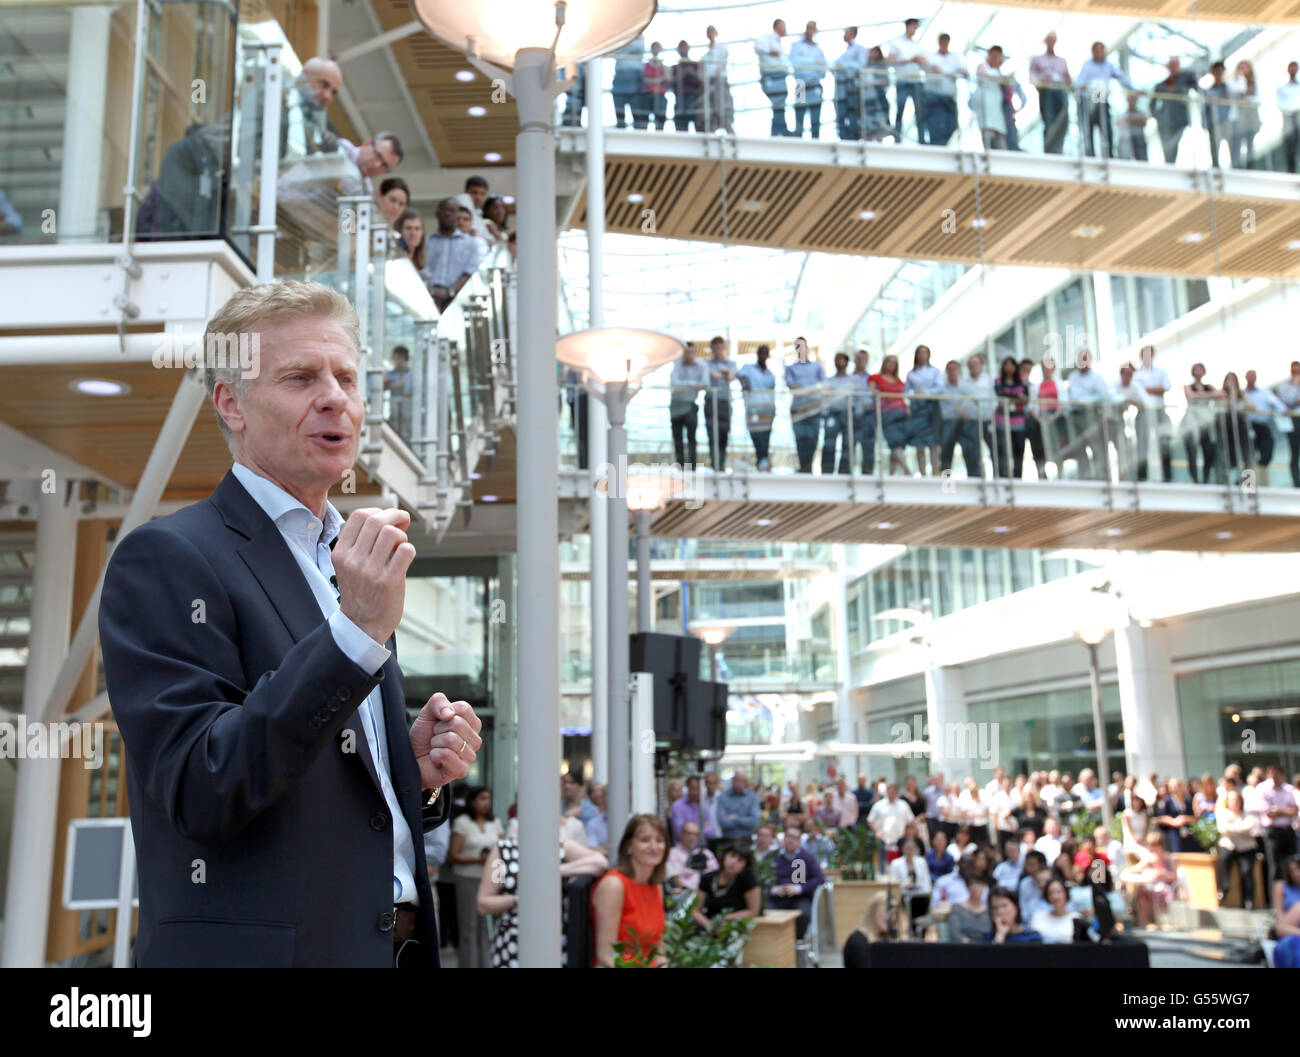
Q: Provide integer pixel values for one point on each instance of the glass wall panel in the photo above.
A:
(1247, 715)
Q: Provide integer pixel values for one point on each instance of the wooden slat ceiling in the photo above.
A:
(1261, 12)
(971, 526)
(1027, 222)
(429, 69)
(114, 435)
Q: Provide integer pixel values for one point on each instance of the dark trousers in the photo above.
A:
(1204, 439)
(1293, 438)
(1291, 139)
(904, 91)
(717, 423)
(1235, 431)
(578, 419)
(1054, 105)
(813, 111)
(1137, 143)
(624, 101)
(864, 437)
(1279, 845)
(940, 119)
(1263, 434)
(684, 436)
(686, 113)
(1034, 438)
(762, 442)
(1148, 420)
(803, 904)
(1245, 863)
(775, 90)
(848, 112)
(655, 104)
(964, 432)
(807, 431)
(1099, 120)
(1010, 463)
(449, 933)
(836, 427)
(1170, 137)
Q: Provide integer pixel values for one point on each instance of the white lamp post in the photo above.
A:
(522, 45)
(1093, 636)
(613, 361)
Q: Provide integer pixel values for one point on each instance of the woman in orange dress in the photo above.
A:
(630, 898)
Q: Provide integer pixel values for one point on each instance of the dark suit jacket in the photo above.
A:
(261, 839)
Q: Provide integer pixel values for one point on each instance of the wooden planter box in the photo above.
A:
(1202, 881)
(850, 902)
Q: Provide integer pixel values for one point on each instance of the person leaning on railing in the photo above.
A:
(627, 88)
(1288, 101)
(1289, 393)
(717, 90)
(1246, 125)
(848, 70)
(1169, 108)
(772, 71)
(925, 380)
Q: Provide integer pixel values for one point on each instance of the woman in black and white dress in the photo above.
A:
(498, 892)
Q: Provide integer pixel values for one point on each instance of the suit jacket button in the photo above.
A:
(315, 723)
(385, 922)
(378, 820)
(343, 694)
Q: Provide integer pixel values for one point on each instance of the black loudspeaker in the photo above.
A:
(708, 718)
(674, 662)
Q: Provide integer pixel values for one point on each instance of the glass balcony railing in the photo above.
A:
(805, 663)
(1119, 436)
(959, 101)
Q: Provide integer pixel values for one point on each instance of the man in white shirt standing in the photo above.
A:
(909, 62)
(939, 99)
(772, 71)
(1153, 417)
(887, 819)
(1127, 393)
(1087, 387)
(1265, 405)
(1049, 844)
(1050, 74)
(1288, 101)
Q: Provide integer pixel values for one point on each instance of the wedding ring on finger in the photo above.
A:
(463, 745)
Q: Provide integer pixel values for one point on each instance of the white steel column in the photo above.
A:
(83, 130)
(1104, 351)
(537, 509)
(945, 707)
(1148, 702)
(36, 803)
(845, 650)
(597, 422)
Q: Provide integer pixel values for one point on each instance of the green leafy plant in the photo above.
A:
(633, 954)
(1206, 832)
(687, 946)
(855, 853)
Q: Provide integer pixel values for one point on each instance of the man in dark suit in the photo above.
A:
(278, 801)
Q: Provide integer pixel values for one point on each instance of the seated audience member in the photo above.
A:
(731, 892)
(1050, 842)
(689, 860)
(1156, 880)
(1032, 899)
(1056, 923)
(1007, 872)
(798, 876)
(951, 888)
(937, 859)
(1286, 897)
(877, 926)
(765, 846)
(962, 845)
(1008, 926)
(909, 872)
(969, 921)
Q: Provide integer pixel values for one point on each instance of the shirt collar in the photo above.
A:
(288, 513)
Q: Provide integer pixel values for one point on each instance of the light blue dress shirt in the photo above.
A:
(810, 377)
(309, 541)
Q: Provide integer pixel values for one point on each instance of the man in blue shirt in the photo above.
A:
(717, 402)
(737, 809)
(809, 65)
(1007, 873)
(1095, 76)
(687, 379)
(863, 791)
(805, 379)
(848, 73)
(841, 386)
(798, 876)
(759, 385)
(627, 89)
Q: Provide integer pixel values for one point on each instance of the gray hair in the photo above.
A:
(239, 321)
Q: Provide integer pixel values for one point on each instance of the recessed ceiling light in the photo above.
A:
(487, 499)
(1194, 236)
(867, 214)
(1294, 244)
(634, 198)
(1001, 528)
(477, 111)
(763, 522)
(751, 207)
(1223, 535)
(508, 199)
(884, 525)
(464, 75)
(492, 156)
(1114, 532)
(99, 387)
(1086, 231)
(474, 475)
(979, 222)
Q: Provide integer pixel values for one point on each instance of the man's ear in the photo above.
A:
(225, 399)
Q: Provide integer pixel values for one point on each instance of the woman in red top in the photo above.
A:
(1049, 408)
(894, 418)
(630, 897)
